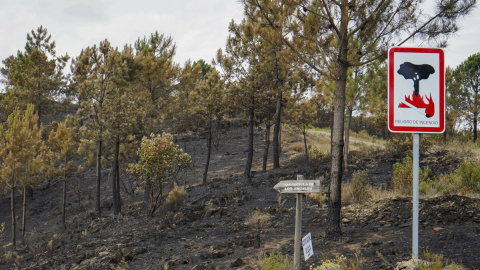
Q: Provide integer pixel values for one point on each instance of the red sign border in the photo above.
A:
(391, 102)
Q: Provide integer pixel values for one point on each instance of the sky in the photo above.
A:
(198, 27)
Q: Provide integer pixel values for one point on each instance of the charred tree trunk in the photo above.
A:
(14, 224)
(99, 176)
(115, 184)
(268, 125)
(24, 213)
(276, 131)
(475, 121)
(334, 205)
(209, 152)
(305, 140)
(64, 196)
(248, 166)
(347, 137)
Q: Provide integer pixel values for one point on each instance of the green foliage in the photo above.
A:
(22, 151)
(35, 76)
(160, 162)
(403, 176)
(316, 154)
(276, 261)
(464, 90)
(437, 262)
(469, 174)
(176, 196)
(340, 262)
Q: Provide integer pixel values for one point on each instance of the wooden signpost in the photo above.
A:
(298, 187)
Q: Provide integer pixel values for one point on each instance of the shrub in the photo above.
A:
(319, 197)
(357, 191)
(316, 154)
(160, 162)
(340, 262)
(176, 196)
(469, 174)
(258, 217)
(403, 177)
(437, 262)
(8, 256)
(276, 261)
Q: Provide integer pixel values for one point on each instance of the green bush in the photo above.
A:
(276, 261)
(403, 177)
(469, 174)
(316, 154)
(437, 262)
(340, 262)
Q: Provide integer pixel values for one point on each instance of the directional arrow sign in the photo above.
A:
(298, 186)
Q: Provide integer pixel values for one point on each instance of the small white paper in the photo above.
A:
(307, 246)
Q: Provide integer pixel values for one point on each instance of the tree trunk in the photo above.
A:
(475, 120)
(347, 137)
(334, 205)
(248, 166)
(99, 176)
(115, 186)
(64, 196)
(24, 213)
(119, 198)
(305, 140)
(12, 204)
(276, 131)
(268, 125)
(209, 152)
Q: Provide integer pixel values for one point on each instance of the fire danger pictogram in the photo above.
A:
(416, 101)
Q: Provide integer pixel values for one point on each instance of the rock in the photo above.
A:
(346, 220)
(127, 254)
(411, 264)
(199, 267)
(237, 263)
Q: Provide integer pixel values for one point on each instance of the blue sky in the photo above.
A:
(198, 27)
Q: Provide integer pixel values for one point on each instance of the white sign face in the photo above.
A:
(416, 96)
(298, 186)
(307, 246)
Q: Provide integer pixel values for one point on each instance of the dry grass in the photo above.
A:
(297, 147)
(256, 217)
(176, 195)
(357, 190)
(319, 198)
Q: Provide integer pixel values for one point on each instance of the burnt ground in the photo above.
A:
(213, 228)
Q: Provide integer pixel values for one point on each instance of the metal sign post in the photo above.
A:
(416, 161)
(416, 104)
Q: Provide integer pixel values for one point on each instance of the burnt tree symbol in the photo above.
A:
(415, 73)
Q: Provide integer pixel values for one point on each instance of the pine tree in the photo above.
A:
(35, 76)
(208, 108)
(64, 145)
(22, 154)
(94, 72)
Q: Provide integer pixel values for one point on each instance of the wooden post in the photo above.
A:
(298, 229)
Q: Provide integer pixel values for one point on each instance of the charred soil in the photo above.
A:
(230, 221)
